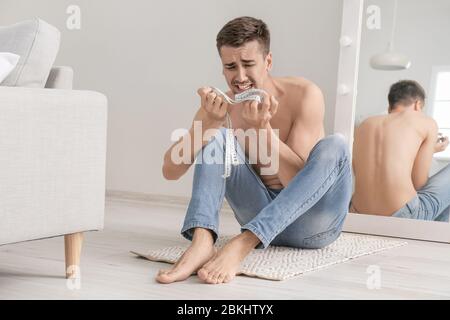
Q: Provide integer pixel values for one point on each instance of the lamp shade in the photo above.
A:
(390, 61)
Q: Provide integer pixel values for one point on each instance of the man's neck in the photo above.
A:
(270, 86)
(401, 109)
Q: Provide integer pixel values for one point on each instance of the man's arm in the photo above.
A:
(422, 163)
(172, 170)
(306, 131)
(211, 114)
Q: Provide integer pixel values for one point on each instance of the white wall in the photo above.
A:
(149, 57)
(422, 33)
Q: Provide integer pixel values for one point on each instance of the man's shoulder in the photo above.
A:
(429, 123)
(302, 95)
(424, 124)
(420, 118)
(372, 120)
(375, 117)
(298, 86)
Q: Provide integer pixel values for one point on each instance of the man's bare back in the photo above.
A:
(290, 93)
(389, 154)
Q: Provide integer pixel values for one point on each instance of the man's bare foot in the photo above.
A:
(224, 265)
(201, 250)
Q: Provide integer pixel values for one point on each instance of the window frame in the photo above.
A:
(432, 101)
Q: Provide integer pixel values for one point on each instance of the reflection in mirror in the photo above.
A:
(400, 151)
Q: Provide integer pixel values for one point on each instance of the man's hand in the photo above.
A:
(258, 115)
(441, 144)
(214, 106)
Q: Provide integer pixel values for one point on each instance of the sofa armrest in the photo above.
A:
(60, 78)
(52, 162)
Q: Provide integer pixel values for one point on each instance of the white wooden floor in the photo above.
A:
(35, 270)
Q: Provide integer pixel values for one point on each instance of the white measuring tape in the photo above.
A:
(230, 149)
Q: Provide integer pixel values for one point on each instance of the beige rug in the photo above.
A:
(280, 263)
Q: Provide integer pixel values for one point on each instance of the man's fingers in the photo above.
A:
(446, 142)
(265, 98)
(217, 103)
(254, 109)
(224, 108)
(211, 96)
(246, 105)
(202, 92)
(210, 101)
(442, 144)
(273, 105)
(443, 140)
(265, 108)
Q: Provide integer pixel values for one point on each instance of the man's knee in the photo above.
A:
(333, 146)
(336, 143)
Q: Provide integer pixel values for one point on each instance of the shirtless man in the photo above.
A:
(392, 156)
(303, 205)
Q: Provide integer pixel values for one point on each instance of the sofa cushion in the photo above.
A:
(37, 44)
(8, 62)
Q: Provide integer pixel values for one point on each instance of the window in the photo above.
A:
(440, 103)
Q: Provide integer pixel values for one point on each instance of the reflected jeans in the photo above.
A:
(308, 213)
(432, 201)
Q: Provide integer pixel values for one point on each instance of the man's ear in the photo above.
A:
(269, 61)
(418, 106)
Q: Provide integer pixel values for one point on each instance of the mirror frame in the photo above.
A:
(350, 41)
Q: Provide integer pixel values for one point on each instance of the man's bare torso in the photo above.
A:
(288, 93)
(384, 151)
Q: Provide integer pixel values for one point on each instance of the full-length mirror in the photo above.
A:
(402, 116)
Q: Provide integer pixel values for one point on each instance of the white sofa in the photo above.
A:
(52, 163)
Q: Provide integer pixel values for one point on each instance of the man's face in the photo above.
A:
(245, 67)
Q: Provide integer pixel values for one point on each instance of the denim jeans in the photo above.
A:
(308, 213)
(432, 201)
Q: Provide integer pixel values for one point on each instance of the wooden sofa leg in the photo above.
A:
(72, 246)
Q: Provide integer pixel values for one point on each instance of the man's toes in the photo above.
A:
(163, 278)
(163, 271)
(162, 274)
(169, 276)
(227, 278)
(212, 277)
(221, 278)
(203, 273)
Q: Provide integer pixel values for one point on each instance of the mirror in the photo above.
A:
(403, 40)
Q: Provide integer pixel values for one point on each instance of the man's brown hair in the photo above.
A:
(242, 30)
(405, 92)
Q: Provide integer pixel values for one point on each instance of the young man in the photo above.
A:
(392, 156)
(302, 205)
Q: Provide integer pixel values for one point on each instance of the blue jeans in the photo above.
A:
(308, 213)
(432, 201)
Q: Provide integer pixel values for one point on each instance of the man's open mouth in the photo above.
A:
(243, 87)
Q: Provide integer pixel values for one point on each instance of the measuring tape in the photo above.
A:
(230, 150)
